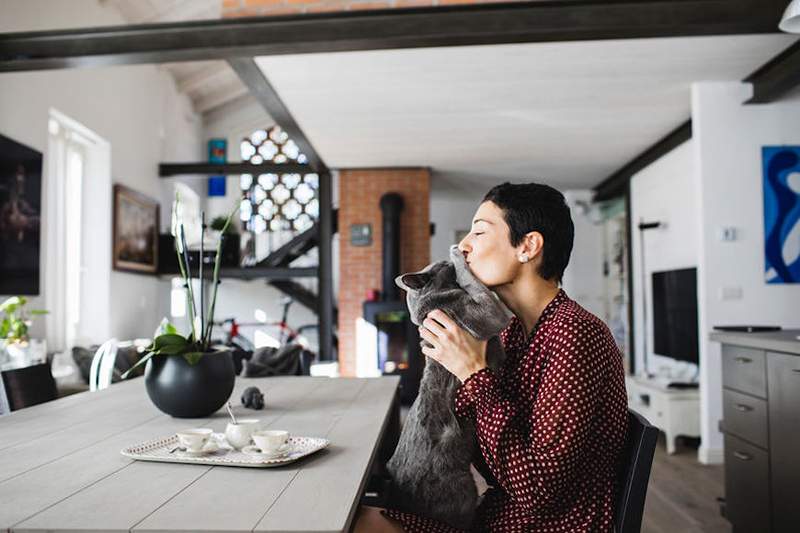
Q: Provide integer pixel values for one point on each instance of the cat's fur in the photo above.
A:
(430, 468)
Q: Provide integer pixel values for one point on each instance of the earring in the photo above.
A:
(523, 258)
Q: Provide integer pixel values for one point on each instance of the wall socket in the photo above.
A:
(728, 234)
(732, 292)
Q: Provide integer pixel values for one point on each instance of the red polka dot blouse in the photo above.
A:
(551, 426)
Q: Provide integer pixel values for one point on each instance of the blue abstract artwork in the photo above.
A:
(217, 153)
(781, 213)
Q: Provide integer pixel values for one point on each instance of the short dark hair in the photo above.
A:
(537, 207)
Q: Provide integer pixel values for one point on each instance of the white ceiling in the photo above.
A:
(565, 113)
(209, 84)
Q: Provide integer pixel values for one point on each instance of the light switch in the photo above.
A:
(732, 292)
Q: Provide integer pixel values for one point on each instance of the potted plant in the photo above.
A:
(231, 241)
(186, 376)
(14, 339)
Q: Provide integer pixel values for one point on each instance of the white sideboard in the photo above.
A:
(673, 411)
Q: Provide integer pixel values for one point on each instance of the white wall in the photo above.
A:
(728, 137)
(583, 279)
(663, 192)
(135, 108)
(450, 211)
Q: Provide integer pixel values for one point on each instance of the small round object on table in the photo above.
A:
(253, 398)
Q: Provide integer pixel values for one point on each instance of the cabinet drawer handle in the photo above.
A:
(742, 456)
(743, 360)
(743, 408)
(796, 370)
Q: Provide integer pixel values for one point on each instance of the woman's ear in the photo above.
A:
(531, 246)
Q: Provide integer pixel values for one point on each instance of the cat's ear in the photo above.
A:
(412, 282)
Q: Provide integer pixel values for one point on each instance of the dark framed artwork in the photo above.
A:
(135, 232)
(20, 217)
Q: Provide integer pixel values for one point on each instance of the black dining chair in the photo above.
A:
(634, 473)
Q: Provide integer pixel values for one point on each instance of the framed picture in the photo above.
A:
(135, 231)
(20, 216)
(781, 214)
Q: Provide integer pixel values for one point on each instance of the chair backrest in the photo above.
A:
(634, 473)
(102, 369)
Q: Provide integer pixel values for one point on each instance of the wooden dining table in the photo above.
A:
(61, 467)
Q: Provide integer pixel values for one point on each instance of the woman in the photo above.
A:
(551, 423)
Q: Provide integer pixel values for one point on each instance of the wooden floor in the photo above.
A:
(682, 494)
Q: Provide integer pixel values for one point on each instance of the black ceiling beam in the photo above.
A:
(225, 169)
(776, 77)
(518, 22)
(616, 184)
(263, 91)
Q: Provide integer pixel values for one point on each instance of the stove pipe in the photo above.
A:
(391, 206)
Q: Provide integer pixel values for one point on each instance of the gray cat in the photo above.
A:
(430, 468)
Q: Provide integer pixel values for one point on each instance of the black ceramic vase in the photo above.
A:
(190, 391)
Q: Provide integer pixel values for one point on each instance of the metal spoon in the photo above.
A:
(230, 412)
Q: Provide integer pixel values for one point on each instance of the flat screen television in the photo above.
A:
(675, 314)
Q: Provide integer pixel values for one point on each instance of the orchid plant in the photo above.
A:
(167, 340)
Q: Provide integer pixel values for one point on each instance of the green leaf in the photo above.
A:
(18, 329)
(193, 357)
(169, 339)
(146, 357)
(11, 304)
(39, 311)
(169, 328)
(172, 349)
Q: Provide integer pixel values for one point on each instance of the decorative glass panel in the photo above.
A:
(313, 208)
(303, 222)
(304, 193)
(291, 180)
(277, 201)
(291, 209)
(268, 181)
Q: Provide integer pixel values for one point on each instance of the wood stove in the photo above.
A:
(398, 350)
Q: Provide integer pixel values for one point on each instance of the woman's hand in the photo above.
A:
(454, 348)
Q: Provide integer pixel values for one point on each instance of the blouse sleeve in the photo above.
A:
(537, 466)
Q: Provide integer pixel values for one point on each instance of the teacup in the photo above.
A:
(239, 435)
(271, 440)
(194, 439)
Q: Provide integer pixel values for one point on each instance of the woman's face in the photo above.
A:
(487, 247)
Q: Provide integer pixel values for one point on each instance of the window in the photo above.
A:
(277, 202)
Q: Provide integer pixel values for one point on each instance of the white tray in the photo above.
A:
(159, 450)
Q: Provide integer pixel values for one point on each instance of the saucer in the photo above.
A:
(210, 447)
(255, 450)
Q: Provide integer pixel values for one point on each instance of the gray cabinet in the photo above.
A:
(746, 486)
(761, 422)
(783, 377)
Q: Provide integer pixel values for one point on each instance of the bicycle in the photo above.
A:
(286, 334)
